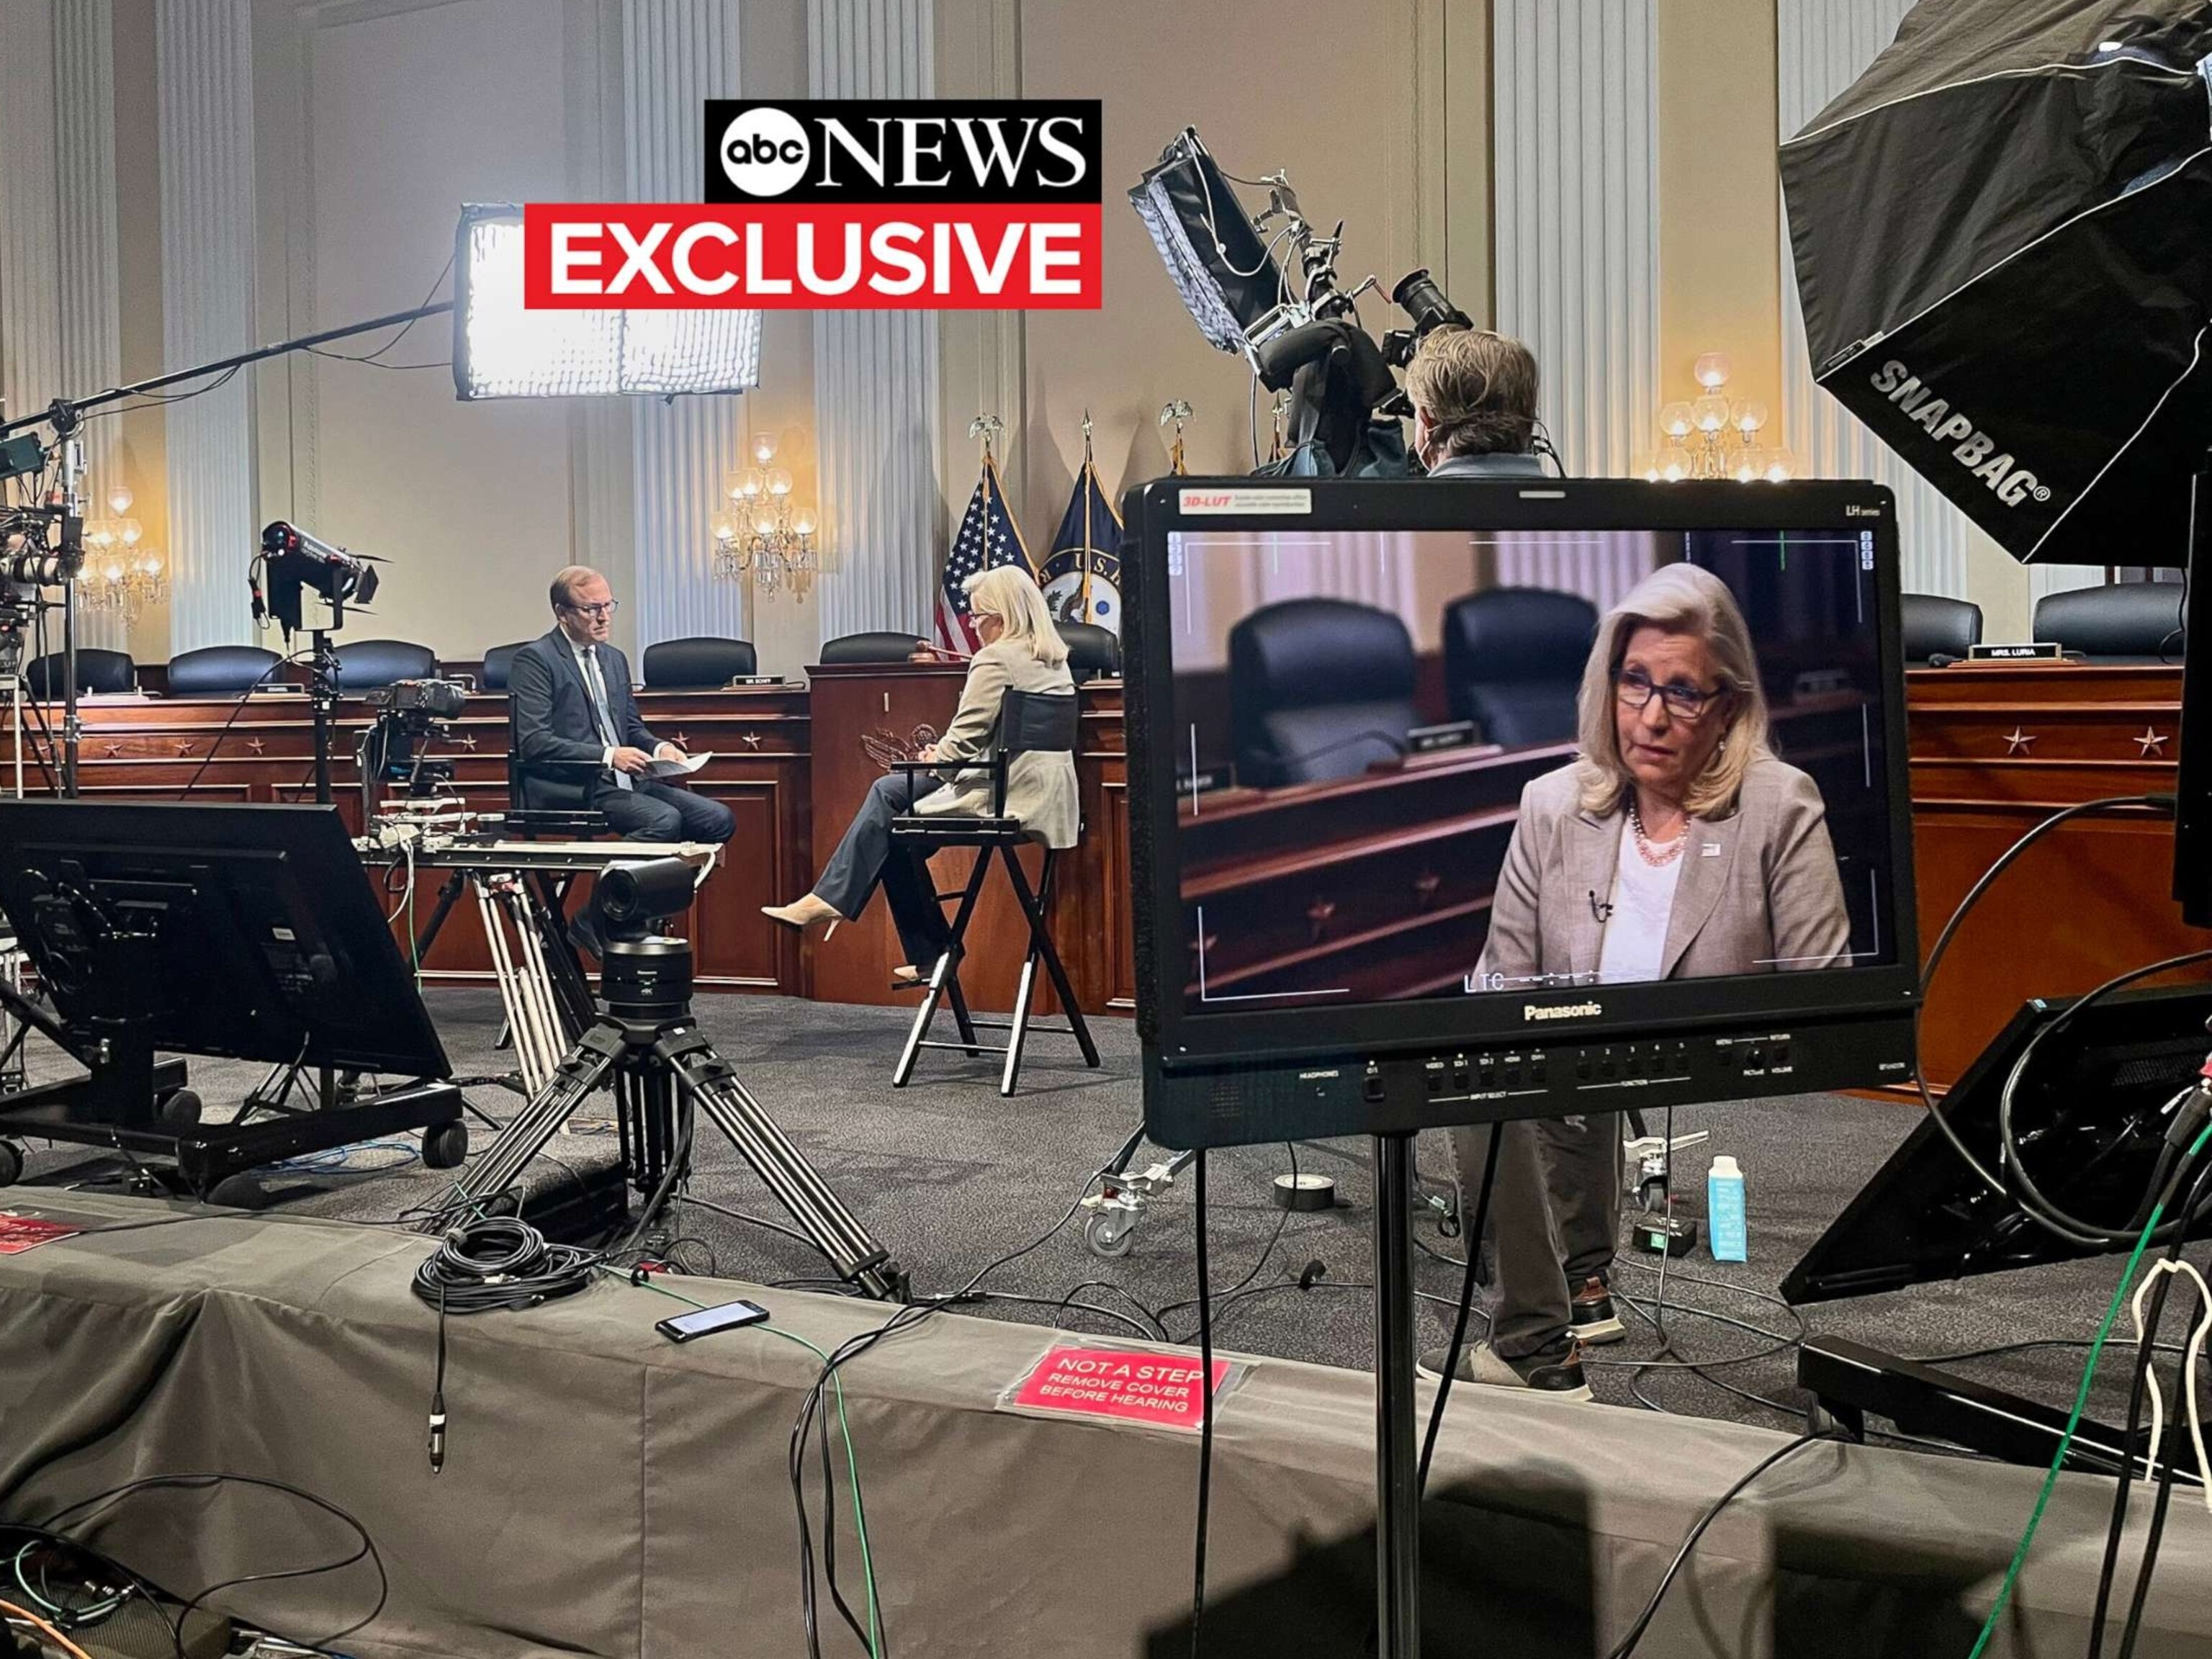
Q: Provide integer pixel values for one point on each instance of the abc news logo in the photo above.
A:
(846, 152)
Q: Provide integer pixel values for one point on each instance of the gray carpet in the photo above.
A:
(951, 1177)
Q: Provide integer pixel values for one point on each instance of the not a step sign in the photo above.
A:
(1162, 1387)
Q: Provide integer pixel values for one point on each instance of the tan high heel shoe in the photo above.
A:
(804, 914)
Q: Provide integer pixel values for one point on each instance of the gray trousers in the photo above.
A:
(1554, 1216)
(865, 859)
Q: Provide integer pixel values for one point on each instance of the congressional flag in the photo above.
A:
(1082, 576)
(988, 539)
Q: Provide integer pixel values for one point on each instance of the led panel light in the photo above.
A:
(502, 350)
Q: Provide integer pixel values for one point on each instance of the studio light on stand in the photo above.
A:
(292, 563)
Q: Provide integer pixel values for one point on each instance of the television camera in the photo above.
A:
(409, 713)
(1306, 339)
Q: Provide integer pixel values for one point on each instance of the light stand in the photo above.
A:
(1397, 1458)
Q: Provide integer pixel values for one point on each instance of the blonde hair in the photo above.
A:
(1680, 599)
(1011, 594)
(1478, 389)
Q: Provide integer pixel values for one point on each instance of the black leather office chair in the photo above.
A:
(870, 648)
(498, 664)
(1513, 661)
(97, 672)
(1029, 723)
(1936, 626)
(221, 671)
(1091, 650)
(364, 665)
(2125, 622)
(688, 664)
(1318, 689)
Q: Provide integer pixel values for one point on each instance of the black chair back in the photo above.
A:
(364, 665)
(1091, 650)
(1513, 662)
(870, 648)
(498, 665)
(2125, 622)
(684, 665)
(97, 670)
(1038, 723)
(1936, 626)
(217, 670)
(1318, 689)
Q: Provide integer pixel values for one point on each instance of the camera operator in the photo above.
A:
(1473, 394)
(1548, 1242)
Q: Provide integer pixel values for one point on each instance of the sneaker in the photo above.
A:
(1594, 1320)
(1557, 1370)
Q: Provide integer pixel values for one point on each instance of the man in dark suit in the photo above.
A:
(579, 742)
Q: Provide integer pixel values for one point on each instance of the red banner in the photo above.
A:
(932, 255)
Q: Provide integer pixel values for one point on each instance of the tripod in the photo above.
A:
(662, 1071)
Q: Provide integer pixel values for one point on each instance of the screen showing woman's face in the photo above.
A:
(1661, 749)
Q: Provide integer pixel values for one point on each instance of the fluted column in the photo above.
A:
(675, 55)
(1576, 180)
(1821, 46)
(60, 331)
(204, 65)
(875, 372)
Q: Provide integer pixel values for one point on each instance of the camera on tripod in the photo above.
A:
(1345, 403)
(409, 713)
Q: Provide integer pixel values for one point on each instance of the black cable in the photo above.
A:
(2027, 1194)
(2151, 1540)
(1159, 1327)
(851, 1348)
(2004, 861)
(1065, 1304)
(370, 358)
(482, 1266)
(1282, 1220)
(368, 1552)
(750, 1220)
(1205, 1421)
(1472, 1234)
(2199, 1193)
(245, 698)
(1627, 1643)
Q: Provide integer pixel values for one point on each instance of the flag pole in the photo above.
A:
(1083, 554)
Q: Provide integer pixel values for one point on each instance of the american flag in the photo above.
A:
(987, 538)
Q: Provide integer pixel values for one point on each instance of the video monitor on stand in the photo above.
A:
(245, 931)
(1459, 800)
(1392, 747)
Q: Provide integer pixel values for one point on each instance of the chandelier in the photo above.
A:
(121, 574)
(1715, 436)
(760, 531)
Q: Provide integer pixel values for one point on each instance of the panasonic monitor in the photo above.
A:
(1454, 800)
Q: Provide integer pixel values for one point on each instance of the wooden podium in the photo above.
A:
(1995, 747)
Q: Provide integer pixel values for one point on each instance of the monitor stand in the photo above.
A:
(1397, 1463)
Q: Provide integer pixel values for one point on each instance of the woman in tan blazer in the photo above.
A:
(1674, 846)
(1021, 651)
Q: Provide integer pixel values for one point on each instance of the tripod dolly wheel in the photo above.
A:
(11, 1163)
(1109, 1233)
(180, 1106)
(446, 1146)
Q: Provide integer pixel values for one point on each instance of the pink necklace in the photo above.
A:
(1658, 854)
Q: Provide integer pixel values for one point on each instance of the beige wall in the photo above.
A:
(1719, 197)
(1379, 113)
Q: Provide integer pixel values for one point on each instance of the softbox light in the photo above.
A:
(502, 350)
(2002, 233)
(1227, 277)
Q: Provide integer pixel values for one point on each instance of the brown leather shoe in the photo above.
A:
(1594, 1320)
